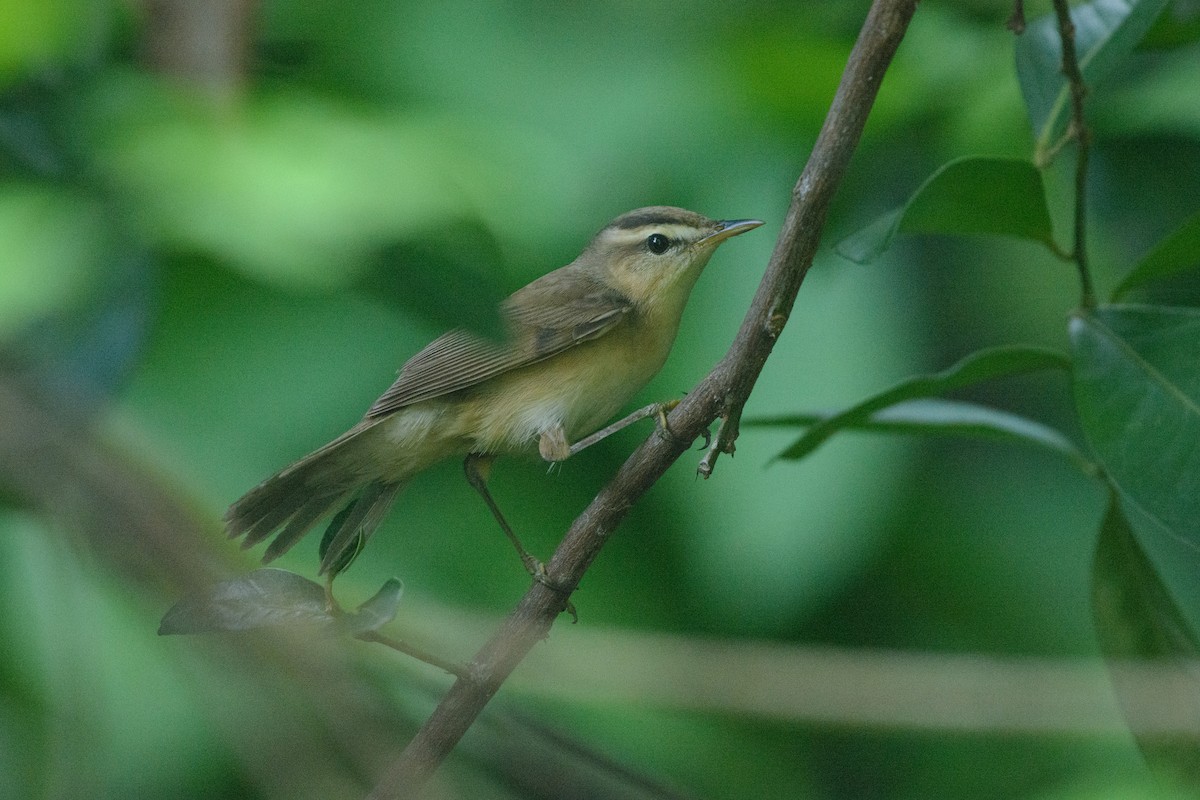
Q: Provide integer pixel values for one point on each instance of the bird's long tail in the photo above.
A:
(296, 499)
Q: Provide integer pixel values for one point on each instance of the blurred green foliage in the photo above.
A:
(200, 283)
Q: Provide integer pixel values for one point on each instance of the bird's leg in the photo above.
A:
(478, 467)
(657, 410)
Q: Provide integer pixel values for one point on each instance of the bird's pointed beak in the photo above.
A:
(727, 228)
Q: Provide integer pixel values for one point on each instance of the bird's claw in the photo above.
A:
(660, 417)
(537, 571)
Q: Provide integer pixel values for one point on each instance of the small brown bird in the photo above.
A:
(579, 343)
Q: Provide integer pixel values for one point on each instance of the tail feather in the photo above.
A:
(298, 497)
(356, 524)
(301, 522)
(268, 505)
(265, 508)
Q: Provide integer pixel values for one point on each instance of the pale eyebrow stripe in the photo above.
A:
(673, 231)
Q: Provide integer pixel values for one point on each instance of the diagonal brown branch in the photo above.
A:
(720, 395)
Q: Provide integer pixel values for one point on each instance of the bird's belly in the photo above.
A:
(578, 390)
(417, 437)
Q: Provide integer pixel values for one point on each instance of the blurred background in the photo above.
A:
(223, 228)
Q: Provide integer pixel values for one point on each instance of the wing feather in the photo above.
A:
(554, 313)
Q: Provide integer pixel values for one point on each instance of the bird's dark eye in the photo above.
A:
(657, 243)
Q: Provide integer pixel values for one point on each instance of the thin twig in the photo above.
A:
(1016, 22)
(722, 393)
(723, 442)
(401, 646)
(1079, 131)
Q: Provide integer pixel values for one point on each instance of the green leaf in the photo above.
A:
(269, 598)
(379, 610)
(1138, 622)
(982, 366)
(36, 34)
(869, 243)
(260, 599)
(1002, 196)
(53, 253)
(296, 191)
(1175, 254)
(938, 417)
(1179, 27)
(450, 278)
(1136, 382)
(1106, 32)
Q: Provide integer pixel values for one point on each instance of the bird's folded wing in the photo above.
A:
(543, 319)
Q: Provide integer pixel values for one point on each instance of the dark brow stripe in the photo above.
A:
(655, 217)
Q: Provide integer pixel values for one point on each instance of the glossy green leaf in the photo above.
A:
(1002, 196)
(1137, 393)
(981, 366)
(939, 417)
(263, 598)
(1106, 32)
(1177, 253)
(1139, 623)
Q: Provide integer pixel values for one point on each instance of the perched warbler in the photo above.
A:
(578, 344)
